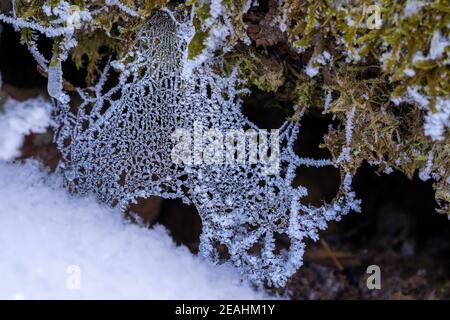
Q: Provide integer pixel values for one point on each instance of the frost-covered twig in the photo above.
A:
(51, 32)
(122, 7)
(345, 154)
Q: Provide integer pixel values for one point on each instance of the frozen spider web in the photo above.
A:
(119, 145)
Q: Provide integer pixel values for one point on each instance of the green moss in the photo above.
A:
(197, 44)
(259, 68)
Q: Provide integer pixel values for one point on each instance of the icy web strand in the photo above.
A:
(117, 144)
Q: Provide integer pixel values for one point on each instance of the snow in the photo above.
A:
(437, 122)
(58, 246)
(388, 170)
(311, 71)
(410, 72)
(19, 119)
(327, 102)
(414, 93)
(438, 45)
(412, 7)
(437, 48)
(314, 64)
(424, 173)
(350, 21)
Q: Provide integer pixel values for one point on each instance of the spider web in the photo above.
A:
(118, 144)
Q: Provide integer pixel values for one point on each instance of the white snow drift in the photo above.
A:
(55, 245)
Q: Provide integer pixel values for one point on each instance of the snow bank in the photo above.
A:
(55, 245)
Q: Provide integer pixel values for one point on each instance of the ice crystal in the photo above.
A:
(119, 142)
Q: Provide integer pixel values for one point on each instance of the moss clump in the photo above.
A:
(371, 67)
(258, 67)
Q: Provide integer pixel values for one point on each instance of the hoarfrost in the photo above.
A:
(437, 122)
(413, 7)
(55, 82)
(425, 173)
(438, 45)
